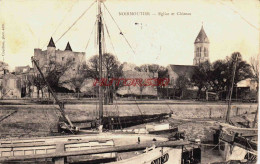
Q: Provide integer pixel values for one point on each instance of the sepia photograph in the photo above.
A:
(129, 81)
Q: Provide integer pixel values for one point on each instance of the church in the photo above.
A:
(201, 54)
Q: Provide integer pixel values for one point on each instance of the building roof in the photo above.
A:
(249, 82)
(51, 43)
(202, 37)
(68, 47)
(22, 69)
(181, 70)
(137, 74)
(10, 76)
(135, 90)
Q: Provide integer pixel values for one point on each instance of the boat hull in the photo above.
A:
(158, 155)
(44, 146)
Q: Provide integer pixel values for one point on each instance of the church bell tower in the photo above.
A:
(201, 48)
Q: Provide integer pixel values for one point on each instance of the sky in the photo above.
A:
(231, 26)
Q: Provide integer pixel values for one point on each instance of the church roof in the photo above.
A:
(202, 37)
(51, 43)
(183, 70)
(68, 47)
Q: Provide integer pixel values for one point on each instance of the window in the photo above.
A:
(205, 52)
(198, 52)
(62, 58)
(73, 59)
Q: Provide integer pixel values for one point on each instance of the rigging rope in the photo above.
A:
(136, 103)
(103, 38)
(109, 37)
(63, 19)
(60, 23)
(91, 35)
(76, 20)
(242, 17)
(119, 28)
(81, 59)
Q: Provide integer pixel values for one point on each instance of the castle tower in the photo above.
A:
(68, 47)
(50, 50)
(201, 48)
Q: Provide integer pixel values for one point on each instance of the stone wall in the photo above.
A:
(59, 56)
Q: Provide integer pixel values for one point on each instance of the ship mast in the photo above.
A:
(99, 36)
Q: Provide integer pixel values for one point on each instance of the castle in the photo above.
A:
(59, 56)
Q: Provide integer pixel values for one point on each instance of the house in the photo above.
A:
(246, 89)
(136, 90)
(22, 69)
(10, 86)
(3, 68)
(249, 83)
(25, 74)
(176, 71)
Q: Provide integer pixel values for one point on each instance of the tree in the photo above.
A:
(26, 84)
(137, 69)
(80, 75)
(53, 75)
(218, 76)
(4, 68)
(111, 69)
(201, 77)
(162, 74)
(254, 62)
(153, 68)
(182, 83)
(93, 67)
(242, 70)
(143, 68)
(142, 87)
(39, 83)
(56, 73)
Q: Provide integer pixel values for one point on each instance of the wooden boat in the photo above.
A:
(92, 147)
(155, 155)
(235, 143)
(238, 144)
(121, 122)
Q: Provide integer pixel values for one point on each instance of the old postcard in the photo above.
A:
(129, 81)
